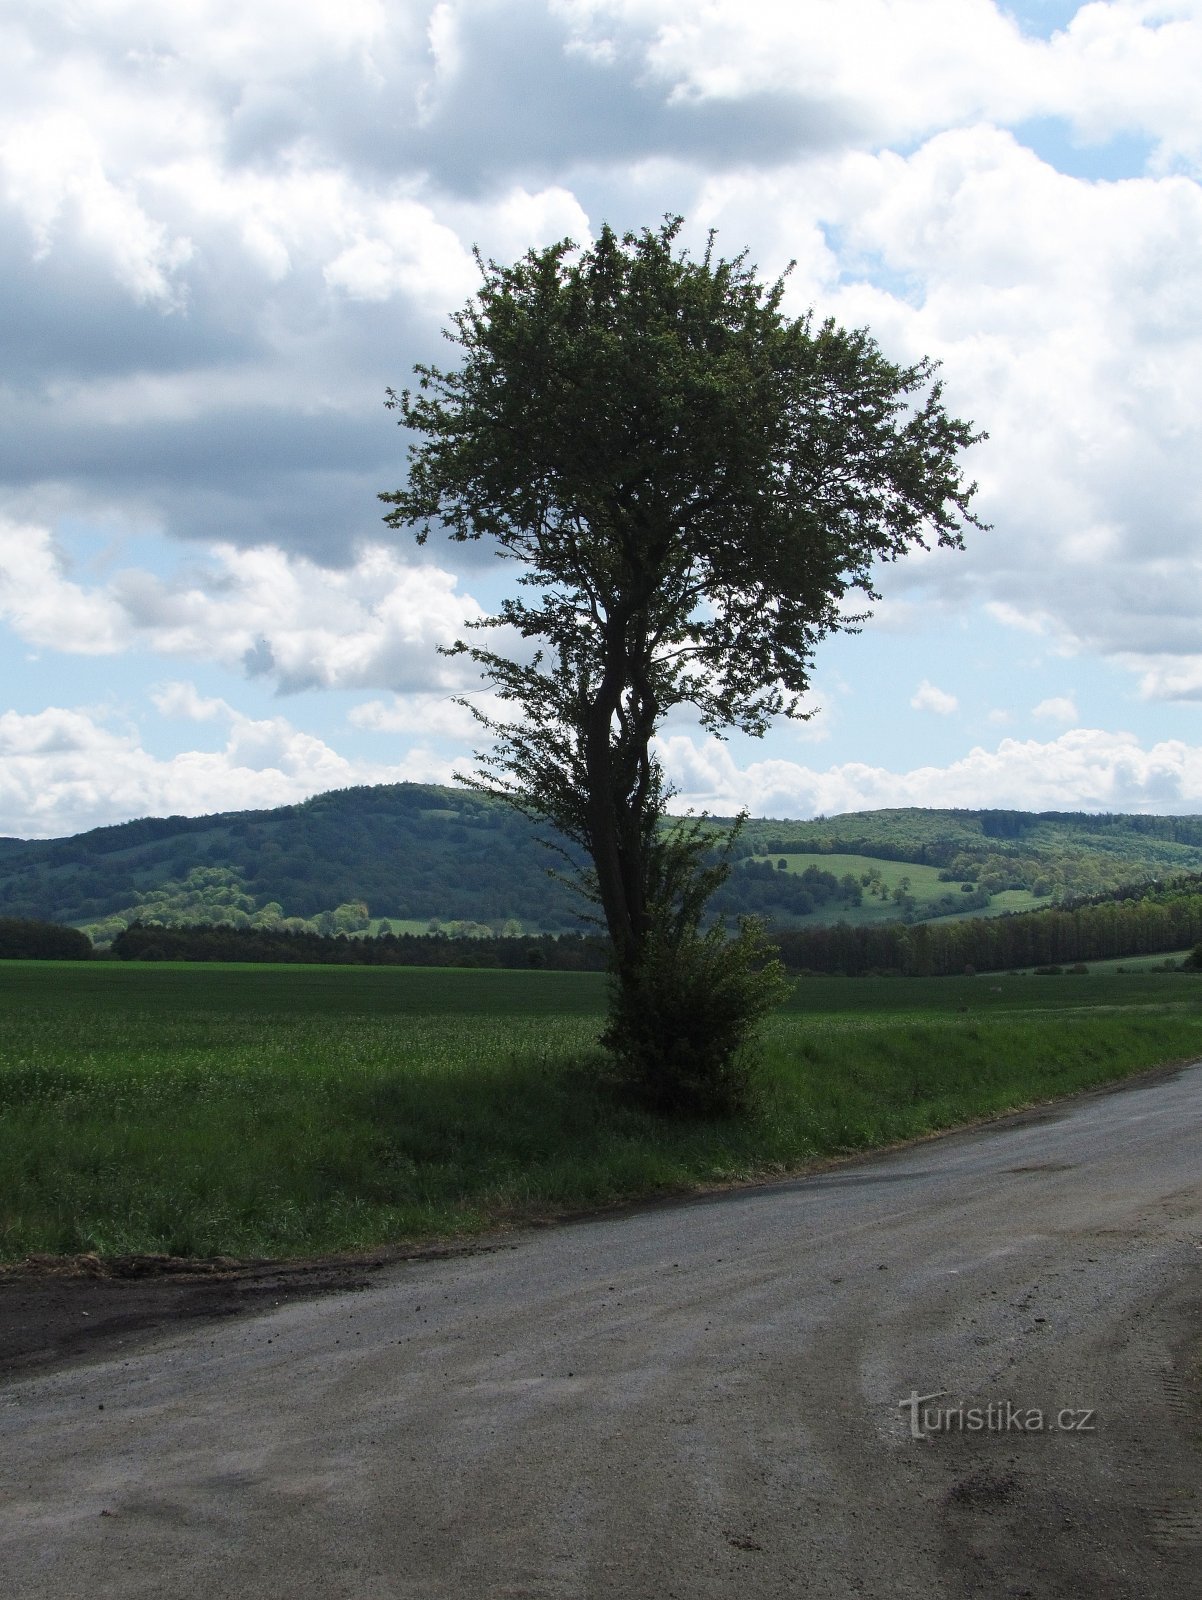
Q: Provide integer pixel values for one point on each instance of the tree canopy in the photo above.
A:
(694, 484)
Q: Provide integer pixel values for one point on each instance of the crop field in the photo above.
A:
(284, 1111)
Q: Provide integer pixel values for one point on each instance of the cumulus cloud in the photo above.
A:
(375, 624)
(1086, 769)
(433, 716)
(182, 700)
(1175, 679)
(1066, 314)
(64, 770)
(43, 605)
(1036, 622)
(900, 73)
(927, 697)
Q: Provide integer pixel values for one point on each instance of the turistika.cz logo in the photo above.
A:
(996, 1416)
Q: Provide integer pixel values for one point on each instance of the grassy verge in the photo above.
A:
(289, 1111)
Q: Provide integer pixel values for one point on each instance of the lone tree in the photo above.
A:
(693, 484)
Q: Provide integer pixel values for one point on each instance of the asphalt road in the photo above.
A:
(693, 1400)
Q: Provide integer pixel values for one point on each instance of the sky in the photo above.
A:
(228, 226)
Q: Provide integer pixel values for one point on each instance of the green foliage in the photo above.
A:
(682, 1024)
(212, 894)
(685, 1008)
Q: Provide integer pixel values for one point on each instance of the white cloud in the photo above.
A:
(897, 73)
(927, 697)
(399, 248)
(375, 624)
(1057, 708)
(65, 770)
(182, 700)
(1037, 622)
(1083, 770)
(433, 716)
(902, 70)
(43, 605)
(54, 173)
(1175, 679)
(1066, 314)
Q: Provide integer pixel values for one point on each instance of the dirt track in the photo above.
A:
(696, 1400)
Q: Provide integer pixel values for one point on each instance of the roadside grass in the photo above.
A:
(255, 1111)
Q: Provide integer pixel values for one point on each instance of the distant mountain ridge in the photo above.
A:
(415, 854)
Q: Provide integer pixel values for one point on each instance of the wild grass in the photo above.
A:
(253, 1111)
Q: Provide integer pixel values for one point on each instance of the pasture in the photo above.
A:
(257, 1111)
(921, 883)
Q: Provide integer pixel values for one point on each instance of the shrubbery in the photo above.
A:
(681, 1026)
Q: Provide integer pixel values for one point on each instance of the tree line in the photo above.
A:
(569, 952)
(22, 939)
(1131, 922)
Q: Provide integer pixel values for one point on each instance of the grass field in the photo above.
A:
(277, 1111)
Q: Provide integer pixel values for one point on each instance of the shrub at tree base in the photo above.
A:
(682, 1022)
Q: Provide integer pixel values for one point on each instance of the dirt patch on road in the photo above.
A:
(57, 1310)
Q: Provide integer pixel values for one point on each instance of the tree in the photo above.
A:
(693, 484)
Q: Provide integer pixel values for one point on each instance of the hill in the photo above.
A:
(415, 855)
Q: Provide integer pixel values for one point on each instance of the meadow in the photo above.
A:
(922, 883)
(253, 1111)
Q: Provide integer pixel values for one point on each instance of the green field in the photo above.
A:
(283, 1111)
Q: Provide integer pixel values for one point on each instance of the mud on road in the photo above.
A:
(56, 1311)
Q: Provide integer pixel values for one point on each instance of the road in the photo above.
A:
(690, 1400)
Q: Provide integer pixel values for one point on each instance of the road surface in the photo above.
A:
(695, 1400)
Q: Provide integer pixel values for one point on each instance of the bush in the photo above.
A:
(681, 1026)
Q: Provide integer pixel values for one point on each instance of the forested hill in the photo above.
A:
(415, 855)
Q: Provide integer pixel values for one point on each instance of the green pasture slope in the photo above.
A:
(281, 1111)
(921, 883)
